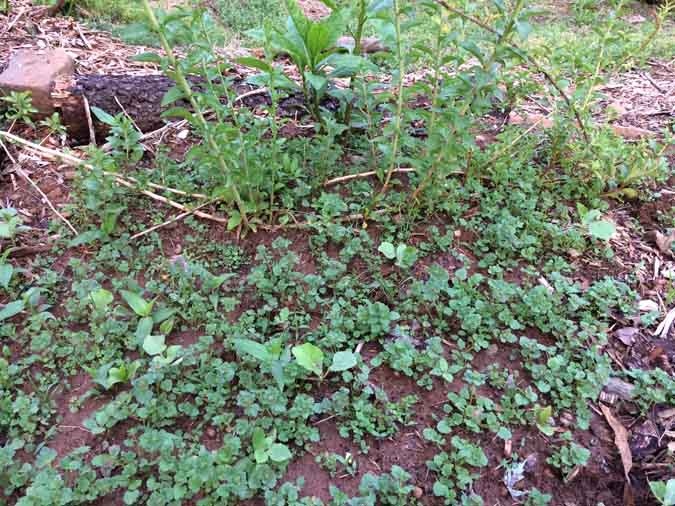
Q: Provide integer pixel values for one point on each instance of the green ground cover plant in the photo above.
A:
(386, 281)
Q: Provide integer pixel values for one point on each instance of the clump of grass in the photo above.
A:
(252, 14)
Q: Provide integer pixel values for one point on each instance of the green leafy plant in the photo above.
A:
(310, 44)
(108, 375)
(404, 255)
(568, 457)
(10, 223)
(311, 358)
(19, 108)
(663, 491)
(54, 124)
(543, 419)
(124, 138)
(265, 448)
(595, 226)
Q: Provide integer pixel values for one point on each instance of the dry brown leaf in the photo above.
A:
(620, 439)
(627, 335)
(665, 242)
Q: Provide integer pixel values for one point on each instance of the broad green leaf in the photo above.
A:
(103, 116)
(347, 65)
(144, 328)
(167, 326)
(234, 221)
(101, 298)
(278, 373)
(279, 453)
(658, 488)
(172, 96)
(255, 63)
(443, 427)
(154, 345)
(163, 314)
(440, 490)
(544, 415)
(131, 497)
(45, 457)
(140, 306)
(504, 433)
(388, 250)
(6, 273)
(669, 495)
(602, 229)
(379, 5)
(406, 256)
(148, 57)
(256, 350)
(179, 112)
(316, 81)
(260, 446)
(11, 309)
(343, 360)
(310, 357)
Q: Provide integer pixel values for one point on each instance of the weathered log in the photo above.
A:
(139, 97)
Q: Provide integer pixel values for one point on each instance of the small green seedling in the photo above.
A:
(543, 419)
(596, 227)
(108, 376)
(311, 358)
(265, 448)
(101, 299)
(143, 309)
(404, 255)
(664, 491)
(19, 107)
(10, 223)
(162, 355)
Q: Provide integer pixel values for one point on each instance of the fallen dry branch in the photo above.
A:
(73, 161)
(351, 177)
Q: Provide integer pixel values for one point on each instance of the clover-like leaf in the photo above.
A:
(310, 357)
(342, 361)
(388, 250)
(279, 453)
(154, 345)
(101, 298)
(602, 229)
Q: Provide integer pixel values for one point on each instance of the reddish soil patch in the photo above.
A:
(71, 434)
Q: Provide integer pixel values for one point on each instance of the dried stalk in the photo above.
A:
(351, 177)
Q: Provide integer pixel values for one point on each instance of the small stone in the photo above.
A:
(210, 432)
(418, 492)
(36, 72)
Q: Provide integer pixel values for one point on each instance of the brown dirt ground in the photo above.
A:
(602, 480)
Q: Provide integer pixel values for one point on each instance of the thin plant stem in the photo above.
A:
(185, 87)
(399, 103)
(361, 22)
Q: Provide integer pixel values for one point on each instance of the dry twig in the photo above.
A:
(46, 199)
